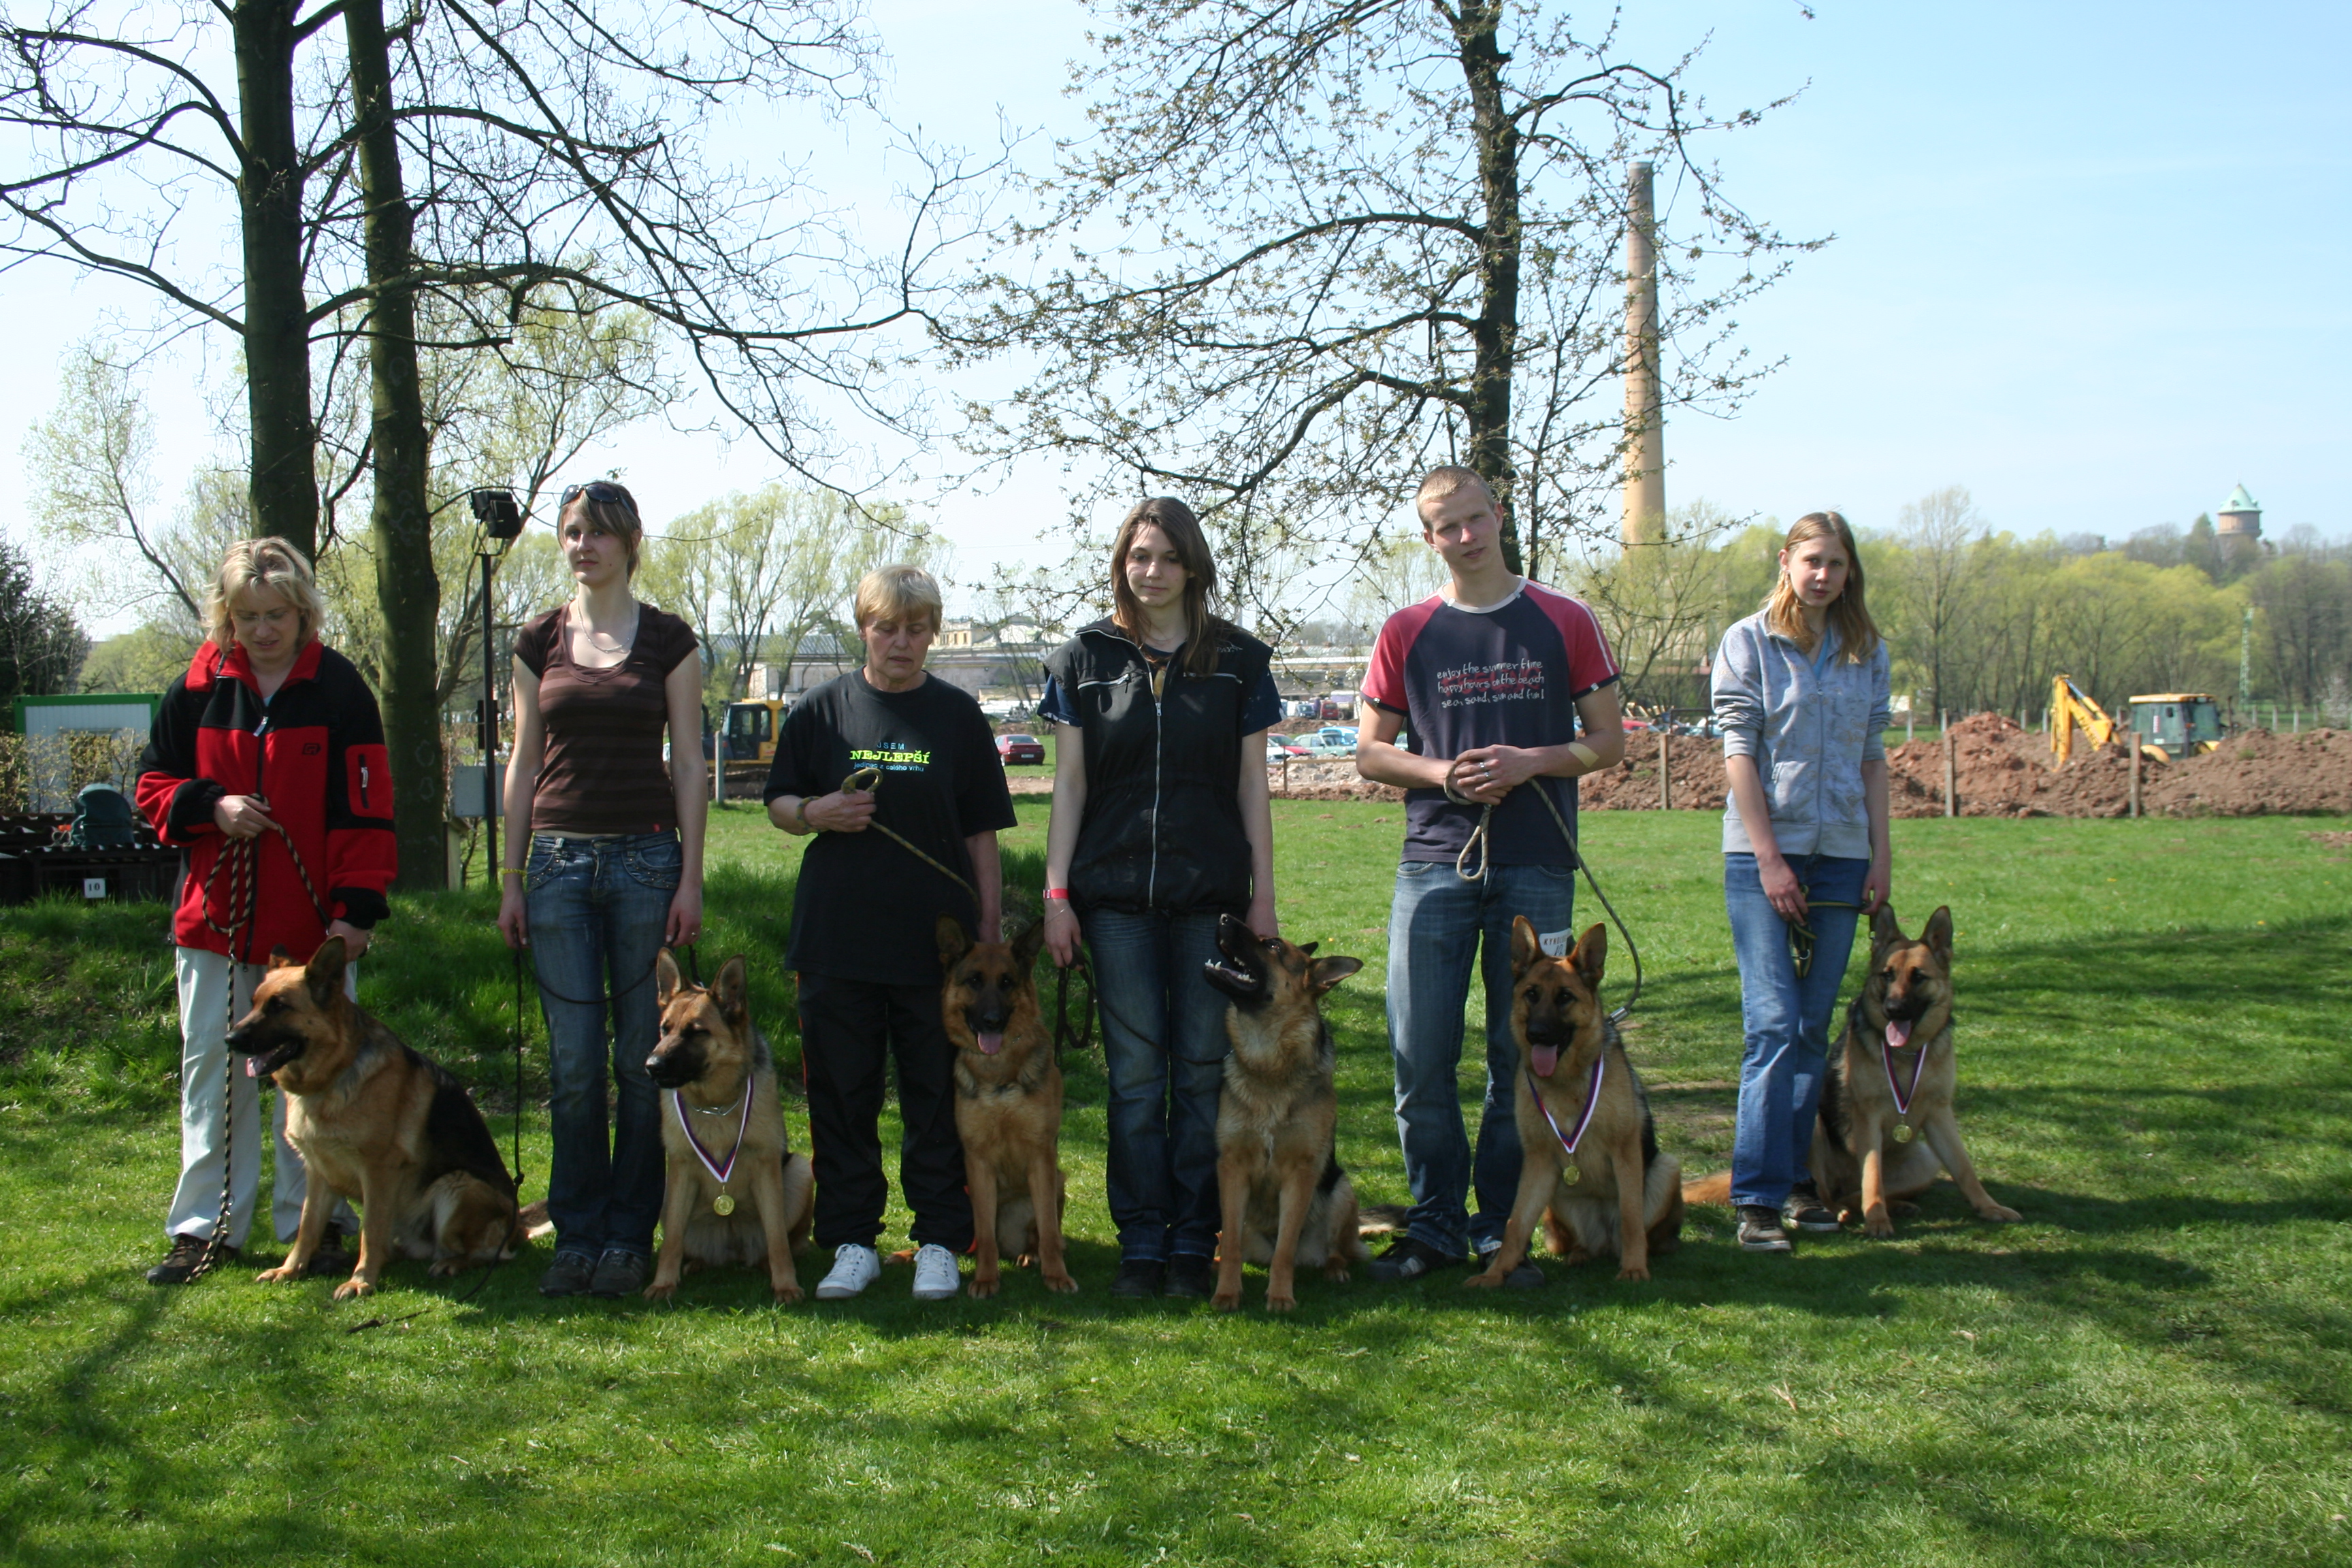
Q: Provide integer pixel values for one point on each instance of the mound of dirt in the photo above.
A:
(1326, 778)
(1694, 771)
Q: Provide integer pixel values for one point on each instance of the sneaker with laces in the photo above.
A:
(567, 1276)
(179, 1265)
(1526, 1277)
(618, 1273)
(854, 1267)
(1760, 1229)
(1138, 1277)
(936, 1278)
(1191, 1277)
(1410, 1258)
(1804, 1210)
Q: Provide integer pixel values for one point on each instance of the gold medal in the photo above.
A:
(1569, 1176)
(722, 1205)
(1903, 1132)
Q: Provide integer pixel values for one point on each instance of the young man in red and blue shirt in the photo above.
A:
(1476, 699)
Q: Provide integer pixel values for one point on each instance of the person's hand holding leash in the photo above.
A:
(243, 815)
(685, 926)
(514, 922)
(355, 941)
(1782, 887)
(842, 811)
(1061, 933)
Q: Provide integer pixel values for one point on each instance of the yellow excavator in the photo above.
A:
(2163, 724)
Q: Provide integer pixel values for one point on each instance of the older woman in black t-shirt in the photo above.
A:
(865, 911)
(614, 871)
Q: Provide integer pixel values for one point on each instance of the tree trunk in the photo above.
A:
(284, 485)
(1494, 337)
(401, 521)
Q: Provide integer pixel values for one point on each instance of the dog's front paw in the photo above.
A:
(1486, 1282)
(788, 1292)
(355, 1287)
(2002, 1213)
(1060, 1282)
(1226, 1300)
(982, 1286)
(1877, 1224)
(280, 1274)
(661, 1289)
(1630, 1272)
(1284, 1303)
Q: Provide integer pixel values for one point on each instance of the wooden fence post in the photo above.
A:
(1666, 787)
(1951, 768)
(2133, 743)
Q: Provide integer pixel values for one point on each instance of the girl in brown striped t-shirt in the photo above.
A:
(611, 871)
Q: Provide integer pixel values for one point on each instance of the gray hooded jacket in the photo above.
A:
(1810, 726)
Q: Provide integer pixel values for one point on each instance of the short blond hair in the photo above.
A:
(898, 592)
(273, 563)
(1440, 482)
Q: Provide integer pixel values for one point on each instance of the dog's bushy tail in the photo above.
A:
(1381, 1219)
(1715, 1189)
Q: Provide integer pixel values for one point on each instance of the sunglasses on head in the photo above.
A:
(601, 491)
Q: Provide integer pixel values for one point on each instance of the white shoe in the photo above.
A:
(935, 1279)
(854, 1267)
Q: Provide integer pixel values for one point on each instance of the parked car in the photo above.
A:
(1323, 745)
(1345, 732)
(1289, 746)
(1014, 750)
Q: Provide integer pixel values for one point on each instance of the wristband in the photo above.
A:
(1062, 893)
(800, 810)
(1585, 754)
(510, 872)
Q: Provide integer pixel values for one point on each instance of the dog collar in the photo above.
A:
(717, 1173)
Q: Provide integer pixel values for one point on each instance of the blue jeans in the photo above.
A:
(1164, 1050)
(1434, 926)
(597, 908)
(1786, 1019)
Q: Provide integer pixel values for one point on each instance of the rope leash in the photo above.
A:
(860, 781)
(1477, 842)
(242, 859)
(1801, 935)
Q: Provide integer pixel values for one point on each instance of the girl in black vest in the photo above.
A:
(1160, 827)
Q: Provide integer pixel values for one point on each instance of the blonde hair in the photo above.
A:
(272, 563)
(1857, 633)
(898, 592)
(616, 516)
(1440, 482)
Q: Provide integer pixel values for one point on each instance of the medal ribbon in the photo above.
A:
(1591, 1103)
(717, 1173)
(1902, 1097)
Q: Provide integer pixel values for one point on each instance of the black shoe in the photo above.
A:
(1139, 1277)
(179, 1265)
(1760, 1229)
(333, 1256)
(567, 1276)
(1410, 1258)
(1526, 1277)
(618, 1273)
(1804, 1209)
(1191, 1277)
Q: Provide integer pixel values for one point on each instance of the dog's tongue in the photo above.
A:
(1898, 1033)
(991, 1041)
(1546, 1057)
(252, 1067)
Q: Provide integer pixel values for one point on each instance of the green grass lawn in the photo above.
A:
(2151, 1368)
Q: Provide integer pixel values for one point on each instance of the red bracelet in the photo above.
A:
(1062, 893)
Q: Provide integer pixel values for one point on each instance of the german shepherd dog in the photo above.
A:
(1287, 1200)
(1615, 1193)
(1892, 1075)
(1008, 1103)
(720, 1109)
(378, 1123)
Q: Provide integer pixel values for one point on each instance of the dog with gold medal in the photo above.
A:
(733, 1191)
(1886, 1126)
(1589, 1166)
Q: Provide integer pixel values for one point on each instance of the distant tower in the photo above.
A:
(1645, 430)
(2239, 525)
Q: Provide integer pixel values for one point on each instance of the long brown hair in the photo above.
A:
(1785, 613)
(1204, 628)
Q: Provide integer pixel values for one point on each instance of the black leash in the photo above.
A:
(1064, 1035)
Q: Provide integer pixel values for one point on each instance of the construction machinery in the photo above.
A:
(752, 729)
(2164, 725)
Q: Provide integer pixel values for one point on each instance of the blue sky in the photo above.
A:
(2089, 260)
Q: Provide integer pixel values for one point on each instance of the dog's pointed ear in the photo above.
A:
(280, 958)
(1591, 955)
(1326, 973)
(666, 978)
(324, 975)
(1884, 931)
(953, 939)
(732, 989)
(1939, 935)
(1527, 948)
(1309, 947)
(1025, 948)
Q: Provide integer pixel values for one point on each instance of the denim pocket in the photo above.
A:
(1416, 868)
(659, 863)
(546, 860)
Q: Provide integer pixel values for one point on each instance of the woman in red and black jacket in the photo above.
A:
(271, 741)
